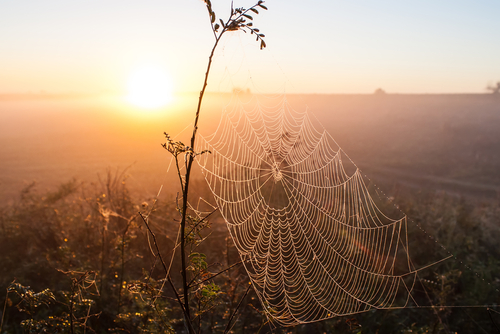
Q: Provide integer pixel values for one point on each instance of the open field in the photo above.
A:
(435, 156)
(448, 142)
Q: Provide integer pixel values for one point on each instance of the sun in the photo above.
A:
(149, 87)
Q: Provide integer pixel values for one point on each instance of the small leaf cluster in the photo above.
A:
(240, 19)
(30, 300)
(177, 147)
(44, 309)
(194, 232)
(198, 262)
(149, 313)
(208, 294)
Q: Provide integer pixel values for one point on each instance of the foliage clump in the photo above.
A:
(75, 261)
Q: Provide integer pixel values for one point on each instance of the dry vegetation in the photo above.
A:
(76, 258)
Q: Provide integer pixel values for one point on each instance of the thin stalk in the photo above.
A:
(4, 309)
(158, 254)
(228, 326)
(71, 304)
(190, 160)
(201, 221)
(213, 276)
(199, 316)
(235, 22)
(489, 312)
(101, 277)
(122, 270)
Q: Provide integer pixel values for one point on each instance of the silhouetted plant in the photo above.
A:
(195, 265)
(146, 305)
(47, 314)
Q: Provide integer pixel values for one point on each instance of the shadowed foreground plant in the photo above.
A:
(49, 245)
(193, 265)
(65, 311)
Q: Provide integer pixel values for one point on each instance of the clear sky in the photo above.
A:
(316, 46)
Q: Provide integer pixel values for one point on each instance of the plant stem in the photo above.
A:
(101, 277)
(217, 274)
(158, 254)
(71, 304)
(4, 309)
(233, 23)
(122, 271)
(190, 160)
(228, 326)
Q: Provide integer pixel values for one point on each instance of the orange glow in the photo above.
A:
(149, 87)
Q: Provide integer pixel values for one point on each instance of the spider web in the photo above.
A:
(313, 240)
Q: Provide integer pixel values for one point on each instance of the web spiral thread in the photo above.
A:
(314, 243)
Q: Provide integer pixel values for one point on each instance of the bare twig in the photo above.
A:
(158, 254)
(122, 271)
(201, 221)
(189, 165)
(228, 326)
(213, 276)
(4, 309)
(489, 311)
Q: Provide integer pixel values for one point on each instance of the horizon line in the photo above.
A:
(65, 95)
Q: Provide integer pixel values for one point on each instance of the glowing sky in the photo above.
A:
(427, 46)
